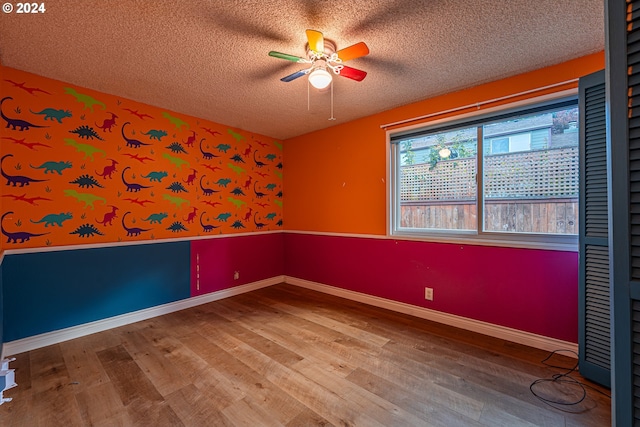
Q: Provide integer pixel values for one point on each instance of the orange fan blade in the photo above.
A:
(353, 73)
(354, 51)
(316, 40)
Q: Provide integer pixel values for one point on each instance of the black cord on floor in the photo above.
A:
(563, 378)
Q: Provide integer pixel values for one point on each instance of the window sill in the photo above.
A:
(549, 243)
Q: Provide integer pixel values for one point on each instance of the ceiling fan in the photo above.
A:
(322, 55)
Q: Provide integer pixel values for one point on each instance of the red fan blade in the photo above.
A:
(316, 40)
(354, 51)
(353, 73)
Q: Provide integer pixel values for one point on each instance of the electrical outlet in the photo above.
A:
(428, 294)
(236, 275)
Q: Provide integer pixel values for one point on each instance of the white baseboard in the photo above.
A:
(496, 331)
(55, 337)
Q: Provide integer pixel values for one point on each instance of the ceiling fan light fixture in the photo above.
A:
(320, 78)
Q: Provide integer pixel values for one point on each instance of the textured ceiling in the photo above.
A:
(209, 59)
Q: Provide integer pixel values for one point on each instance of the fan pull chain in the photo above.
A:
(332, 118)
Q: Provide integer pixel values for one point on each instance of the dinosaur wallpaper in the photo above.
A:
(84, 167)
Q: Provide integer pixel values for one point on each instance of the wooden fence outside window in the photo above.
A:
(528, 192)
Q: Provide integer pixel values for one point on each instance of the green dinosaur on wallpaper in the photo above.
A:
(237, 202)
(53, 167)
(156, 134)
(88, 198)
(88, 150)
(175, 121)
(156, 176)
(87, 100)
(271, 215)
(235, 135)
(54, 219)
(156, 218)
(236, 169)
(177, 161)
(178, 201)
(278, 202)
(53, 114)
(270, 157)
(278, 145)
(270, 187)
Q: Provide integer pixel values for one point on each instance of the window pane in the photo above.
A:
(438, 181)
(532, 187)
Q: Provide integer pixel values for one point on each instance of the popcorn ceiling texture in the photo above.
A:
(209, 59)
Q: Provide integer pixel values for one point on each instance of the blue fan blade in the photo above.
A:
(293, 76)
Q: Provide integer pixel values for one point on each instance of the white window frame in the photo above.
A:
(479, 236)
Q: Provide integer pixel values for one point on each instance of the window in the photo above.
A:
(512, 176)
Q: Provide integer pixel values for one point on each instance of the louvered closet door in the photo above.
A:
(595, 326)
(623, 96)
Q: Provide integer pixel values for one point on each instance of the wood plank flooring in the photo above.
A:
(288, 356)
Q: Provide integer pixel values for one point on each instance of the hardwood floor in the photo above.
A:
(288, 356)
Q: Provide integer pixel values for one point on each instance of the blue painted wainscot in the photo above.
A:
(48, 291)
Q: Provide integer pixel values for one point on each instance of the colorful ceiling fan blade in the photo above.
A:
(354, 51)
(353, 73)
(316, 40)
(293, 76)
(286, 56)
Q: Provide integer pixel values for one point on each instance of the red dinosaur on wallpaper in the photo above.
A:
(108, 170)
(109, 216)
(191, 178)
(141, 116)
(139, 202)
(30, 90)
(107, 124)
(23, 198)
(191, 216)
(191, 140)
(247, 217)
(138, 158)
(247, 184)
(212, 132)
(247, 151)
(212, 204)
(29, 145)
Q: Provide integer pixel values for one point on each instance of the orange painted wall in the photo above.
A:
(70, 177)
(336, 177)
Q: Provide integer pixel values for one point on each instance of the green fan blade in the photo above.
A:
(286, 56)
